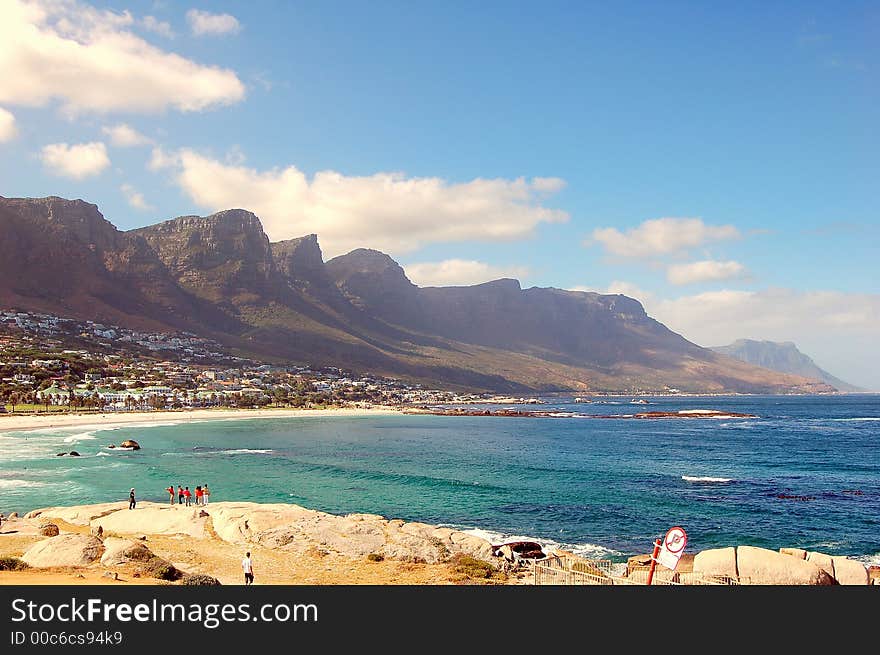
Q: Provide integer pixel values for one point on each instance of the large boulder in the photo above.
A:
(850, 572)
(823, 561)
(48, 530)
(64, 550)
(122, 551)
(767, 567)
(798, 553)
(716, 561)
(130, 443)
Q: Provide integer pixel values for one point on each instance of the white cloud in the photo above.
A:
(460, 272)
(125, 136)
(8, 129)
(77, 161)
(389, 211)
(90, 61)
(205, 23)
(135, 198)
(661, 236)
(153, 24)
(704, 271)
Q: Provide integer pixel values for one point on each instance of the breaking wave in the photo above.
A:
(705, 478)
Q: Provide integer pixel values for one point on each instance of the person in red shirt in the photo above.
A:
(170, 491)
(187, 494)
(198, 495)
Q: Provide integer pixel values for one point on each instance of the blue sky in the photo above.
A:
(718, 163)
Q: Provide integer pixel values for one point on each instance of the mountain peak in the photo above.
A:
(781, 356)
(300, 260)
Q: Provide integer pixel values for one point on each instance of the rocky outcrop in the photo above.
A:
(842, 569)
(850, 572)
(297, 529)
(64, 550)
(717, 561)
(124, 551)
(767, 567)
(48, 530)
(130, 443)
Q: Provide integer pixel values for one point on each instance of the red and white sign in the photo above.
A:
(672, 548)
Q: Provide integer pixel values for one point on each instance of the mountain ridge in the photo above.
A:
(784, 357)
(221, 276)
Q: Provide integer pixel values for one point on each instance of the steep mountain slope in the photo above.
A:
(783, 357)
(219, 276)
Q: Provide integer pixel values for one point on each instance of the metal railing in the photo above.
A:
(571, 570)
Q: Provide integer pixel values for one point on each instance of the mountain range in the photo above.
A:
(783, 357)
(220, 277)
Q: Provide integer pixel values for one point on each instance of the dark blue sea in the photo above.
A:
(805, 473)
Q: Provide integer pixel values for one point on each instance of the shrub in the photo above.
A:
(376, 557)
(200, 580)
(156, 567)
(473, 568)
(12, 564)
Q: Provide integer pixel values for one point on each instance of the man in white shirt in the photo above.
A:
(247, 566)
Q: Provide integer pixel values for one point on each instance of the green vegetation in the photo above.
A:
(469, 568)
(199, 580)
(12, 564)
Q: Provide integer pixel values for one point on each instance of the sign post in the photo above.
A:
(669, 552)
(653, 560)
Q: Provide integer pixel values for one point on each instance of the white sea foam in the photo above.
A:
(247, 451)
(704, 478)
(858, 419)
(82, 436)
(868, 560)
(19, 484)
(593, 551)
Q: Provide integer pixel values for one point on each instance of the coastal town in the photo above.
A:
(51, 363)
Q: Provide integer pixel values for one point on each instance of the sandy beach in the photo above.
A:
(22, 422)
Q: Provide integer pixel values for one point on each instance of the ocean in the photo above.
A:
(805, 473)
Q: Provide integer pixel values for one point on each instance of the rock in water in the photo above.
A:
(64, 550)
(130, 443)
(73, 453)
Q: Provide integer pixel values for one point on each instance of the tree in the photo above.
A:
(13, 400)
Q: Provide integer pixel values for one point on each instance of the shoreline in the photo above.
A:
(26, 422)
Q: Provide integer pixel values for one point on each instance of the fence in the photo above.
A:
(570, 570)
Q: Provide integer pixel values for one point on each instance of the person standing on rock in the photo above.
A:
(131, 501)
(247, 565)
(198, 495)
(170, 490)
(205, 494)
(187, 494)
(179, 495)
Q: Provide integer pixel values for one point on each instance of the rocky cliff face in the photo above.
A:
(219, 276)
(783, 357)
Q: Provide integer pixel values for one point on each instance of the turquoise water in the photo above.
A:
(600, 486)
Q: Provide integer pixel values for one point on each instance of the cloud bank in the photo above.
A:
(75, 161)
(8, 129)
(661, 236)
(387, 211)
(204, 23)
(704, 271)
(90, 61)
(460, 272)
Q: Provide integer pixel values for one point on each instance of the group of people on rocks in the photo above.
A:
(185, 496)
